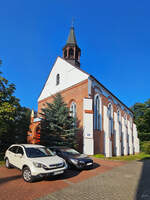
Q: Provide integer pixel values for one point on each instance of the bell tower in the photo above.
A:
(71, 51)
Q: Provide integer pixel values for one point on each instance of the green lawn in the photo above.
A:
(140, 156)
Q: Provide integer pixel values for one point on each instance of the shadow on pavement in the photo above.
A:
(7, 179)
(143, 189)
(69, 173)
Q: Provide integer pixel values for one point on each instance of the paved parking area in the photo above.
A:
(127, 182)
(12, 186)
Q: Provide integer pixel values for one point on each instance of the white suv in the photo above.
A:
(34, 161)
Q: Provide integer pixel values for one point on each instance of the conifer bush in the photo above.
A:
(58, 127)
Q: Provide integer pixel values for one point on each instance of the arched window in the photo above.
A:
(126, 125)
(73, 110)
(97, 113)
(131, 122)
(71, 53)
(65, 53)
(76, 55)
(110, 117)
(57, 79)
(118, 115)
(125, 120)
(119, 121)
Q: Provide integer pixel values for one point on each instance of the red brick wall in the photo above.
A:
(75, 93)
(99, 135)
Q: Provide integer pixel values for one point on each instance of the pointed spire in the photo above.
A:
(71, 37)
(71, 51)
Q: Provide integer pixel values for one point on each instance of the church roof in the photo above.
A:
(102, 86)
(92, 77)
(71, 37)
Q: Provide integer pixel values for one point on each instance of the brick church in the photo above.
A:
(106, 122)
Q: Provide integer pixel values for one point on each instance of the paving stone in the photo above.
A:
(121, 183)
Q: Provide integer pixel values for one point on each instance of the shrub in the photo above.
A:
(145, 147)
(144, 136)
(1, 156)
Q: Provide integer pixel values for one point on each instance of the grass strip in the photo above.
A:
(140, 156)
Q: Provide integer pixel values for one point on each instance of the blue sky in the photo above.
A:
(114, 37)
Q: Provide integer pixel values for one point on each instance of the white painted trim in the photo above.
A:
(117, 135)
(108, 143)
(88, 140)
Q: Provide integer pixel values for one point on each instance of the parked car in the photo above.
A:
(73, 157)
(34, 161)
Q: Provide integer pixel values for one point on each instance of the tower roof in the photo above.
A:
(71, 37)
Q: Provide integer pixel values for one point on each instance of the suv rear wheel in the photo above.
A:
(27, 176)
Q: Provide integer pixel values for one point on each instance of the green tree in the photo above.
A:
(14, 119)
(142, 119)
(8, 104)
(57, 125)
(21, 124)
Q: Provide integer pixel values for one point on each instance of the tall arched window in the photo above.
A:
(65, 53)
(71, 53)
(130, 122)
(110, 117)
(118, 115)
(57, 79)
(73, 111)
(125, 120)
(97, 113)
(119, 121)
(126, 126)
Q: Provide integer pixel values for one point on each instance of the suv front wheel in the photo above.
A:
(7, 164)
(27, 176)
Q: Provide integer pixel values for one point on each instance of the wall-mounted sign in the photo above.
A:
(88, 135)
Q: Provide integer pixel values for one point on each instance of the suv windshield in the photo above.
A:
(70, 151)
(38, 152)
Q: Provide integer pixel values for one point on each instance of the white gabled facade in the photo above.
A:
(69, 76)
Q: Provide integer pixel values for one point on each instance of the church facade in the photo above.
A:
(106, 124)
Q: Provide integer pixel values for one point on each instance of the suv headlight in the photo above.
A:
(39, 165)
(74, 161)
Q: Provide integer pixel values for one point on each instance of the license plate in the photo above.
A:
(89, 163)
(59, 172)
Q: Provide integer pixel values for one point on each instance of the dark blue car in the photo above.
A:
(73, 158)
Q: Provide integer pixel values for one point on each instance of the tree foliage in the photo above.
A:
(57, 125)
(14, 119)
(142, 118)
